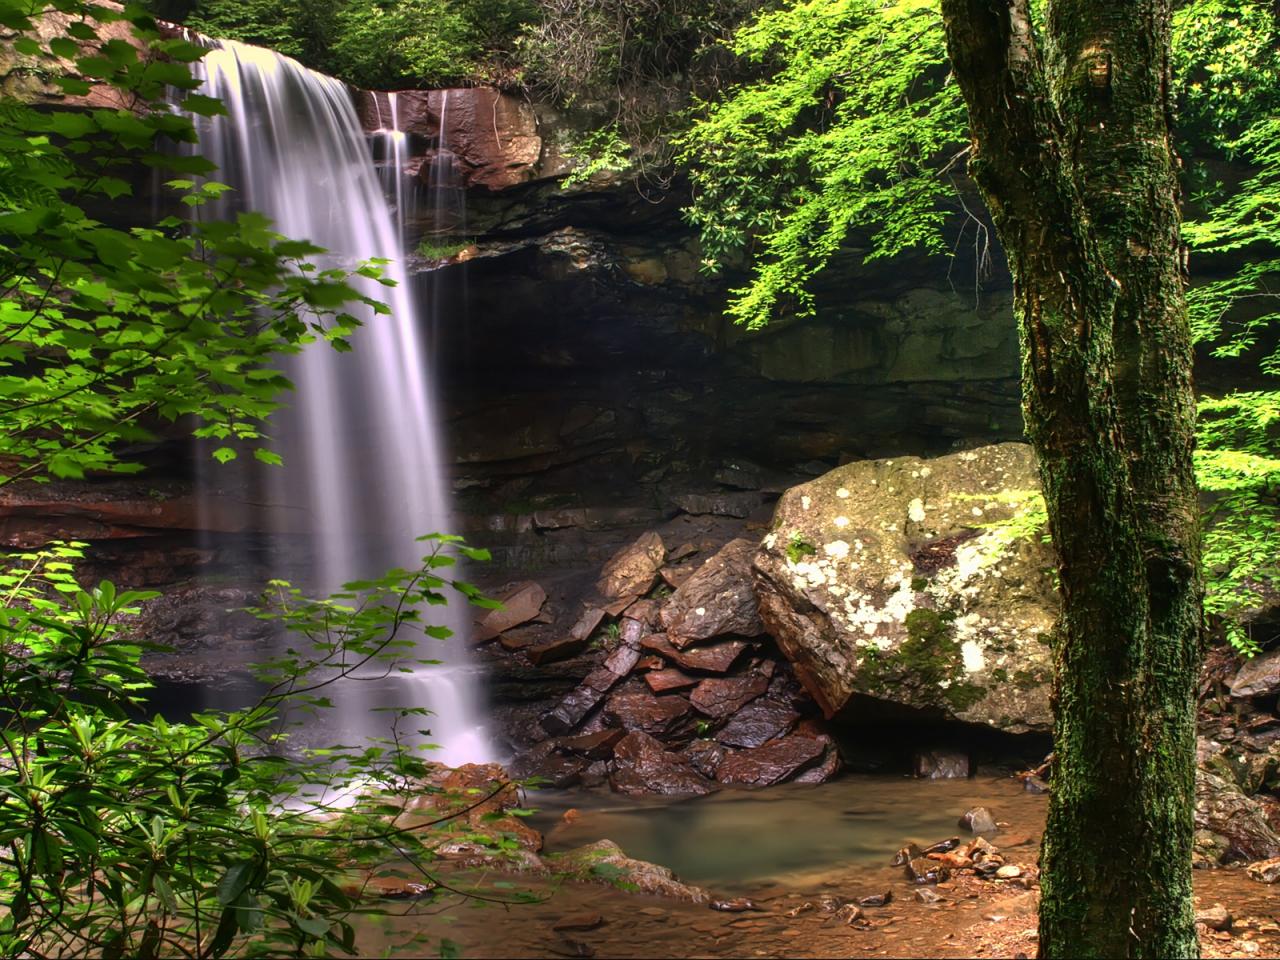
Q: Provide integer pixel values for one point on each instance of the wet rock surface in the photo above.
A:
(757, 723)
(640, 709)
(718, 600)
(771, 763)
(633, 571)
(722, 697)
(1258, 677)
(643, 766)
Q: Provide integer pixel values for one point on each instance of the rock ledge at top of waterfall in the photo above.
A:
(921, 582)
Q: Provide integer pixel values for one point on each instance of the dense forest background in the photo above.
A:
(796, 131)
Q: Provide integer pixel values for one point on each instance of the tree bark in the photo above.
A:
(1072, 151)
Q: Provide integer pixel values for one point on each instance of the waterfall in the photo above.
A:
(364, 470)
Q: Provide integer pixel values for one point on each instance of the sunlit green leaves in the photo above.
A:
(849, 129)
(106, 331)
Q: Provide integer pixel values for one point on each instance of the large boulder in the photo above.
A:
(922, 582)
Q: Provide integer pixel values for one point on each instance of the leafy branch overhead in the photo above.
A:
(106, 331)
(123, 833)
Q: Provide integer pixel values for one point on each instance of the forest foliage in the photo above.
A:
(850, 139)
(123, 832)
(812, 129)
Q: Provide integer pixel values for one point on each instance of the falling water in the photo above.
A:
(363, 467)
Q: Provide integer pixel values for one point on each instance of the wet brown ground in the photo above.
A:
(977, 918)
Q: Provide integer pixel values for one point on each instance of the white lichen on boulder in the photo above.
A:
(899, 579)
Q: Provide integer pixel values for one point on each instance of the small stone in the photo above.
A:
(642, 767)
(1009, 871)
(921, 870)
(849, 914)
(1215, 918)
(942, 846)
(666, 716)
(705, 756)
(578, 921)
(908, 853)
(718, 600)
(978, 820)
(586, 624)
(876, 899)
(806, 907)
(1033, 784)
(594, 746)
(955, 859)
(757, 723)
(736, 905)
(925, 895)
(550, 651)
(716, 658)
(1265, 871)
(942, 765)
(980, 849)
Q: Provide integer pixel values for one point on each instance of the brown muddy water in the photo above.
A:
(783, 848)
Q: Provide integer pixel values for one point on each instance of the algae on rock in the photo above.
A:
(913, 590)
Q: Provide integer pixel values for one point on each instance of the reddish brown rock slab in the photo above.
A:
(824, 769)
(757, 723)
(675, 577)
(642, 766)
(1258, 677)
(718, 600)
(633, 569)
(594, 746)
(549, 651)
(646, 611)
(619, 607)
(705, 756)
(575, 706)
(772, 763)
(586, 624)
(665, 716)
(663, 681)
(723, 696)
(682, 552)
(520, 604)
(716, 658)
(559, 771)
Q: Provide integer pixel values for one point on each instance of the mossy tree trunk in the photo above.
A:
(1071, 149)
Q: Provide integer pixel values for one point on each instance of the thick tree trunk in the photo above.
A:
(1072, 152)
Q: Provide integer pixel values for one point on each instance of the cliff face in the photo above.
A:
(584, 361)
(580, 347)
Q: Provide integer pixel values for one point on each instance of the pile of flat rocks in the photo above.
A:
(689, 694)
